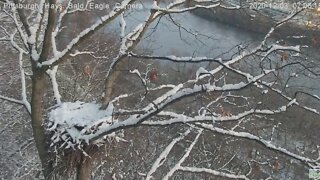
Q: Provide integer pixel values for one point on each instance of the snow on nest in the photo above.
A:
(78, 114)
(70, 120)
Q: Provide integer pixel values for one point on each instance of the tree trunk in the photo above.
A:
(38, 90)
(109, 86)
(83, 170)
(111, 80)
(83, 167)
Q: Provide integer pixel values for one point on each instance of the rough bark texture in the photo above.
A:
(83, 169)
(38, 90)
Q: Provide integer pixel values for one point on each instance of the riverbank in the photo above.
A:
(294, 31)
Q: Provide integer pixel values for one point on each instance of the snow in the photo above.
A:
(256, 138)
(298, 37)
(77, 113)
(290, 48)
(122, 25)
(11, 99)
(136, 71)
(292, 102)
(185, 156)
(33, 34)
(316, 96)
(155, 5)
(19, 28)
(201, 71)
(76, 117)
(86, 31)
(52, 73)
(162, 157)
(35, 55)
(180, 118)
(283, 108)
(232, 86)
(32, 39)
(23, 83)
(213, 172)
(167, 98)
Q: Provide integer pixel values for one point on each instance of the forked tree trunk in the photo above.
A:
(38, 90)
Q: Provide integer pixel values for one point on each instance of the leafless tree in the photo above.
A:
(243, 103)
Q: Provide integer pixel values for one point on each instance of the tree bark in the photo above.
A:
(38, 90)
(111, 80)
(83, 167)
(109, 83)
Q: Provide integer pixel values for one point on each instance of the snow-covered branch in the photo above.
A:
(172, 96)
(22, 72)
(187, 153)
(289, 99)
(213, 172)
(52, 74)
(19, 25)
(310, 162)
(86, 32)
(162, 157)
(23, 84)
(11, 100)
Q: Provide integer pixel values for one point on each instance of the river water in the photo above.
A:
(186, 34)
(213, 39)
